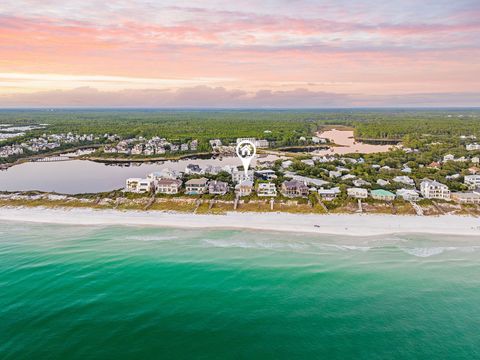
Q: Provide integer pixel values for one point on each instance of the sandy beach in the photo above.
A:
(344, 224)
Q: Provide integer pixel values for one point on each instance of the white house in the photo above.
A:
(404, 180)
(448, 157)
(382, 182)
(472, 181)
(139, 185)
(431, 189)
(217, 187)
(329, 194)
(472, 197)
(244, 188)
(358, 193)
(472, 147)
(361, 182)
(408, 194)
(266, 189)
(239, 175)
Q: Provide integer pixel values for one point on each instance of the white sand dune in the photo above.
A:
(345, 224)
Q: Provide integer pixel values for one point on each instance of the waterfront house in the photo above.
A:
(139, 185)
(266, 174)
(334, 174)
(193, 169)
(294, 188)
(472, 181)
(306, 180)
(168, 186)
(266, 189)
(329, 194)
(244, 188)
(408, 194)
(431, 189)
(383, 195)
(404, 180)
(239, 175)
(357, 193)
(319, 140)
(348, 177)
(166, 173)
(473, 170)
(472, 197)
(196, 186)
(217, 187)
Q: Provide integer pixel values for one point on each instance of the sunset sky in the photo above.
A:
(269, 53)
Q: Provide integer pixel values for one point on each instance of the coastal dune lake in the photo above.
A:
(80, 176)
(83, 292)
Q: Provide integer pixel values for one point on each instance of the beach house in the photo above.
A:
(244, 188)
(216, 187)
(472, 197)
(472, 181)
(357, 193)
(431, 189)
(383, 195)
(266, 189)
(266, 174)
(408, 194)
(139, 185)
(239, 175)
(404, 180)
(196, 186)
(168, 186)
(329, 194)
(294, 188)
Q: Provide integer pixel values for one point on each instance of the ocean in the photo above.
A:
(83, 292)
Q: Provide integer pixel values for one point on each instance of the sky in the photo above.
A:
(269, 53)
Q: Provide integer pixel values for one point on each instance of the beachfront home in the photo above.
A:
(319, 140)
(431, 189)
(357, 193)
(381, 194)
(472, 197)
(329, 194)
(217, 187)
(404, 180)
(472, 181)
(266, 189)
(244, 188)
(348, 177)
(139, 185)
(408, 194)
(168, 186)
(164, 174)
(239, 175)
(196, 186)
(334, 174)
(294, 188)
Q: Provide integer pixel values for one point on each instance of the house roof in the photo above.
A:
(382, 192)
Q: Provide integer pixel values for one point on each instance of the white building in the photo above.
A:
(244, 188)
(239, 175)
(357, 193)
(408, 194)
(431, 189)
(196, 186)
(382, 182)
(448, 157)
(472, 181)
(472, 147)
(329, 194)
(404, 180)
(139, 185)
(266, 189)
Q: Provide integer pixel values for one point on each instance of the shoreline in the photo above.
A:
(333, 224)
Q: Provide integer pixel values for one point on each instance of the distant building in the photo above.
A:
(431, 189)
(217, 187)
(139, 185)
(266, 174)
(196, 186)
(382, 182)
(472, 181)
(193, 169)
(168, 186)
(244, 188)
(266, 189)
(381, 194)
(448, 157)
(472, 147)
(357, 193)
(404, 180)
(408, 194)
(294, 188)
(472, 197)
(360, 183)
(329, 194)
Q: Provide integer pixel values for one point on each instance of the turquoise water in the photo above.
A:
(72, 292)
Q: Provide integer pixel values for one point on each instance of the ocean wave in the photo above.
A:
(257, 244)
(428, 251)
(151, 238)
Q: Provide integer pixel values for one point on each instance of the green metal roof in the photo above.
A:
(381, 192)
